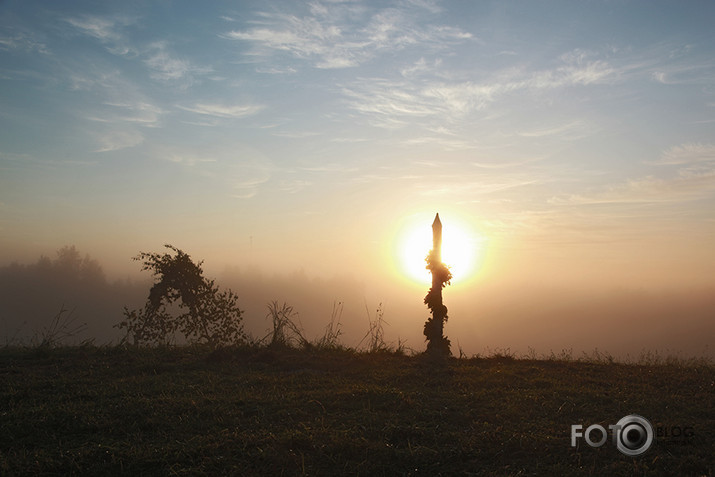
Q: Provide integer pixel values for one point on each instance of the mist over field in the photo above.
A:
(524, 318)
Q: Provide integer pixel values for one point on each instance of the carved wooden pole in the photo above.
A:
(437, 238)
(439, 312)
(434, 327)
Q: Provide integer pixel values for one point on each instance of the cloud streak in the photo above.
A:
(136, 112)
(394, 103)
(688, 153)
(108, 30)
(163, 65)
(167, 67)
(328, 41)
(23, 42)
(234, 171)
(116, 140)
(236, 111)
(693, 180)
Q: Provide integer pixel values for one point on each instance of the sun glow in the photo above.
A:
(462, 249)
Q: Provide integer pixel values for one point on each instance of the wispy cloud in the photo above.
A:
(125, 108)
(223, 111)
(139, 113)
(446, 143)
(247, 188)
(293, 186)
(120, 118)
(28, 161)
(108, 30)
(686, 185)
(247, 176)
(167, 67)
(296, 134)
(327, 167)
(163, 64)
(421, 66)
(679, 73)
(23, 42)
(115, 140)
(431, 6)
(684, 173)
(186, 158)
(688, 153)
(236, 175)
(328, 40)
(100, 28)
(393, 103)
(465, 188)
(301, 37)
(389, 102)
(275, 70)
(571, 130)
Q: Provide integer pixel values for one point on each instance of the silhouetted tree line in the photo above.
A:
(32, 295)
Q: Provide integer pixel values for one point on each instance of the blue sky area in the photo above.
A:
(575, 138)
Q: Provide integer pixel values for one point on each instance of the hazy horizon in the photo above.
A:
(568, 148)
(527, 319)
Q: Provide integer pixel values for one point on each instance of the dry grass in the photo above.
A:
(281, 411)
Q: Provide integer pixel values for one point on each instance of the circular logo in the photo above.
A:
(634, 435)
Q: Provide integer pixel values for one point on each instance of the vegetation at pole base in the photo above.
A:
(437, 343)
(210, 315)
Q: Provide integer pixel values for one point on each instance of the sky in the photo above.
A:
(573, 141)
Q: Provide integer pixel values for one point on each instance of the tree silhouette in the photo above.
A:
(437, 343)
(31, 294)
(212, 316)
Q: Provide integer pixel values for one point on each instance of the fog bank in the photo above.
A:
(483, 317)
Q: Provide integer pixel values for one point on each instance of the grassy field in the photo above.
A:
(259, 411)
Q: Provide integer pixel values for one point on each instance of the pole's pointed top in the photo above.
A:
(437, 222)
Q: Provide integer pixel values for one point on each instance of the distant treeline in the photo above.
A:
(32, 294)
(485, 317)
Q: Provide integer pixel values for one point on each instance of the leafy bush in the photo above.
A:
(209, 315)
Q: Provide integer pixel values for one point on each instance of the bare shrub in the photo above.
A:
(63, 325)
(331, 336)
(287, 329)
(375, 335)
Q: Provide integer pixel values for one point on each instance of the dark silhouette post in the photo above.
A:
(438, 312)
(434, 327)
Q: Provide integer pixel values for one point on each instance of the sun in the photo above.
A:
(462, 249)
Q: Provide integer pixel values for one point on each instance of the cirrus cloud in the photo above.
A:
(223, 111)
(330, 37)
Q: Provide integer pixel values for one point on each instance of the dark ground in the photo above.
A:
(190, 411)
